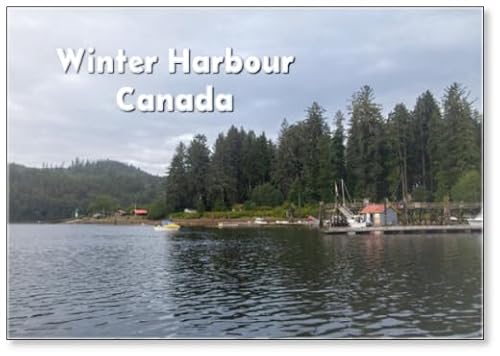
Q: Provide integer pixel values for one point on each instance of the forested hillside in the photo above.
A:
(431, 152)
(55, 193)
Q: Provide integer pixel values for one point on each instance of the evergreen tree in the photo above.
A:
(288, 163)
(296, 192)
(365, 149)
(265, 155)
(399, 138)
(314, 130)
(249, 161)
(427, 132)
(257, 157)
(197, 165)
(221, 186)
(338, 147)
(232, 164)
(326, 168)
(460, 152)
(177, 181)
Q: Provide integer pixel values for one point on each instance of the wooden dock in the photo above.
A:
(408, 229)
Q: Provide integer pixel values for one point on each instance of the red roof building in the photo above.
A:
(377, 214)
(140, 212)
(373, 209)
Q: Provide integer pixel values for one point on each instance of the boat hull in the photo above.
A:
(169, 227)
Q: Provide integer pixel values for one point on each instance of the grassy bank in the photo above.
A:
(113, 220)
(279, 212)
(207, 218)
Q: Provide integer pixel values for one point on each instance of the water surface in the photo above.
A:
(98, 281)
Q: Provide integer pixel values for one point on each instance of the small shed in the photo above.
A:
(120, 212)
(378, 215)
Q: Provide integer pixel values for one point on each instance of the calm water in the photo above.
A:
(123, 281)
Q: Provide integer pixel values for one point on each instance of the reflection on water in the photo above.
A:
(122, 281)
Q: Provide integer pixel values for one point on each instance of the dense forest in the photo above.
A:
(429, 153)
(53, 193)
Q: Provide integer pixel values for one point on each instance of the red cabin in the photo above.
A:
(140, 212)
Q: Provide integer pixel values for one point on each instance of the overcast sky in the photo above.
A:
(53, 117)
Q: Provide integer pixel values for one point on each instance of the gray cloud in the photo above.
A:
(54, 118)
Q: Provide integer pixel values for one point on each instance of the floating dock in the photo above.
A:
(412, 229)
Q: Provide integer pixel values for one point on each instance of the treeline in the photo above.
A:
(431, 152)
(53, 193)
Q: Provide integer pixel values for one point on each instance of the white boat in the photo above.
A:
(222, 225)
(476, 221)
(260, 221)
(356, 222)
(167, 225)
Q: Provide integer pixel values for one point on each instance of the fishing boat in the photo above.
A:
(353, 220)
(356, 222)
(167, 225)
(476, 221)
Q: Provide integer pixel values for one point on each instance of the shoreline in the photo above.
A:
(112, 220)
(194, 222)
(268, 222)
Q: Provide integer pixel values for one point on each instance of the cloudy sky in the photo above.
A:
(53, 117)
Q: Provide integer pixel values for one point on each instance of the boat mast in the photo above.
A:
(335, 193)
(343, 195)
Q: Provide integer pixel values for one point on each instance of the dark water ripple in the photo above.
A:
(112, 281)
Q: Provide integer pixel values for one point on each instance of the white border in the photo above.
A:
(372, 348)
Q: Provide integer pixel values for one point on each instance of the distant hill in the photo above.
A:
(54, 193)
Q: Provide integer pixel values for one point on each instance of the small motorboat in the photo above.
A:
(260, 221)
(222, 225)
(167, 225)
(476, 221)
